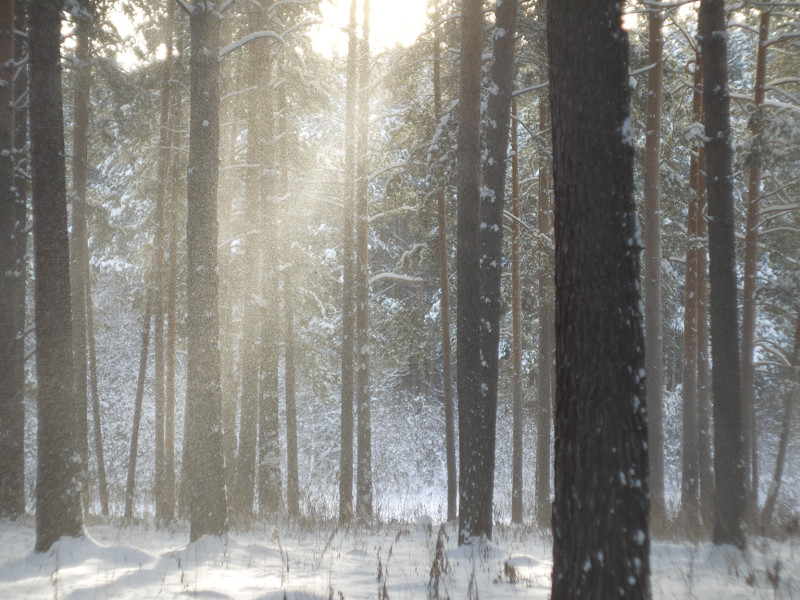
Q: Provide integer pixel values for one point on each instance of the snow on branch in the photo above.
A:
(775, 351)
(396, 277)
(279, 3)
(248, 38)
(188, 9)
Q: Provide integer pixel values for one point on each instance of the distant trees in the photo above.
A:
(601, 535)
(58, 490)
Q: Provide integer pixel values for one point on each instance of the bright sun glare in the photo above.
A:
(392, 22)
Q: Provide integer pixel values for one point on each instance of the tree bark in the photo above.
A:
(654, 337)
(490, 236)
(516, 327)
(474, 514)
(348, 282)
(601, 463)
(444, 273)
(12, 409)
(58, 489)
(729, 490)
(364, 425)
(204, 395)
(751, 273)
(544, 383)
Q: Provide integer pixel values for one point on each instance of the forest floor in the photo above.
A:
(398, 560)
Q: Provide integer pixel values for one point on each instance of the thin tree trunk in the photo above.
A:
(490, 236)
(601, 462)
(364, 431)
(204, 394)
(516, 327)
(348, 282)
(165, 142)
(751, 274)
(98, 432)
(79, 243)
(652, 268)
(171, 316)
(729, 490)
(544, 384)
(12, 409)
(58, 488)
(690, 451)
(789, 400)
(471, 490)
(137, 410)
(447, 359)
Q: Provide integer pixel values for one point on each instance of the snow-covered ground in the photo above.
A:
(393, 561)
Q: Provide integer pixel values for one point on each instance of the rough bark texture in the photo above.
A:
(544, 382)
(654, 338)
(601, 538)
(490, 236)
(751, 272)
(206, 473)
(444, 274)
(364, 426)
(348, 286)
(474, 507)
(58, 489)
(729, 490)
(516, 327)
(12, 410)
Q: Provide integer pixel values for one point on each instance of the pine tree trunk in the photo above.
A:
(364, 426)
(58, 489)
(601, 463)
(165, 142)
(348, 279)
(206, 470)
(516, 327)
(544, 384)
(751, 274)
(169, 367)
(444, 274)
(490, 236)
(690, 450)
(729, 490)
(472, 508)
(12, 409)
(652, 267)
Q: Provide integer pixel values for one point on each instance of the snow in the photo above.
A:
(322, 561)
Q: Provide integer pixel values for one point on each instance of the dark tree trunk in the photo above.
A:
(58, 489)
(751, 273)
(348, 284)
(654, 337)
(601, 463)
(474, 513)
(364, 431)
(12, 409)
(206, 469)
(490, 235)
(444, 273)
(544, 383)
(729, 477)
(516, 326)
(137, 411)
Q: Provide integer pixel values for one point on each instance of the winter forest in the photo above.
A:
(431, 299)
